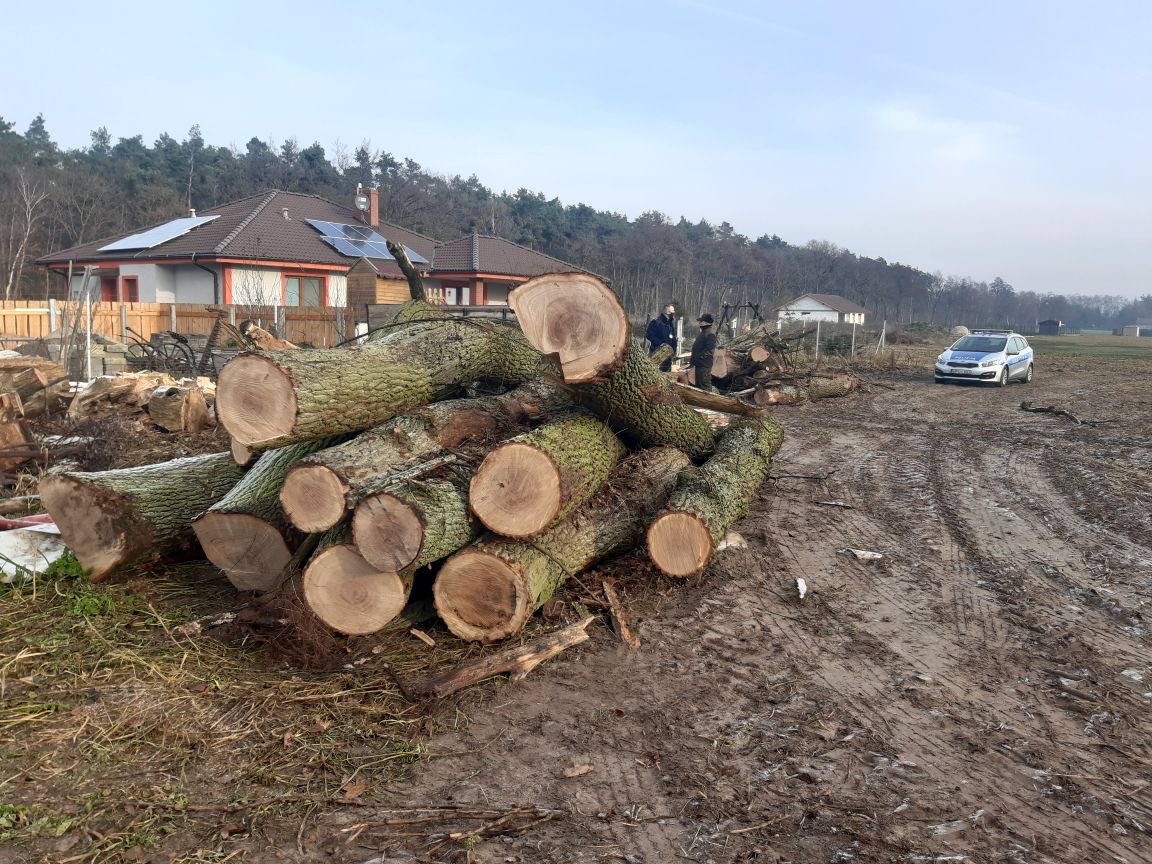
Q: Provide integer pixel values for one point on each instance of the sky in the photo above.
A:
(976, 139)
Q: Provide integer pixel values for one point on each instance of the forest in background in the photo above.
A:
(53, 198)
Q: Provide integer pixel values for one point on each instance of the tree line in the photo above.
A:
(52, 198)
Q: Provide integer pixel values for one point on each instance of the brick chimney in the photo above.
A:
(374, 207)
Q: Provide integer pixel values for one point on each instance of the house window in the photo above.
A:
(129, 289)
(108, 289)
(303, 290)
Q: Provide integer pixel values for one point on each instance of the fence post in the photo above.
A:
(172, 317)
(281, 321)
(853, 355)
(341, 325)
(124, 322)
(232, 315)
(52, 316)
(817, 362)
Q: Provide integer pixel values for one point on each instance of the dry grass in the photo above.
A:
(115, 730)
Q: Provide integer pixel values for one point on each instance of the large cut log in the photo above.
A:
(15, 437)
(820, 387)
(112, 518)
(643, 406)
(246, 533)
(576, 317)
(28, 382)
(709, 499)
(346, 592)
(178, 409)
(275, 398)
(320, 490)
(535, 479)
(414, 523)
(488, 590)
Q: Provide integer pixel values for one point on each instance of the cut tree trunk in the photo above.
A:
(275, 398)
(15, 436)
(576, 317)
(30, 381)
(535, 479)
(643, 406)
(657, 357)
(347, 593)
(716, 402)
(246, 533)
(488, 590)
(178, 409)
(709, 499)
(820, 387)
(414, 524)
(320, 491)
(112, 518)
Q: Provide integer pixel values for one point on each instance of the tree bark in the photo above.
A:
(709, 499)
(320, 490)
(414, 524)
(276, 398)
(535, 479)
(415, 282)
(112, 518)
(246, 533)
(488, 591)
(643, 406)
(576, 317)
(178, 409)
(346, 592)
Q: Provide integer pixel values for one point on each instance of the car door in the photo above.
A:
(1017, 362)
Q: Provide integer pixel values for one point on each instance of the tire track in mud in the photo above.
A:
(913, 471)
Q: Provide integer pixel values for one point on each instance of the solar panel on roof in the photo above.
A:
(160, 234)
(364, 242)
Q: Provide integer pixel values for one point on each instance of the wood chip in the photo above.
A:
(619, 618)
(577, 771)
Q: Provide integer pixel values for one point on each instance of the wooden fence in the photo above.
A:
(24, 320)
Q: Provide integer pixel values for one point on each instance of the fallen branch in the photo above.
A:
(518, 662)
(1051, 409)
(619, 618)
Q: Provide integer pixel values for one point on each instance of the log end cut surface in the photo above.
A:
(388, 532)
(349, 594)
(87, 528)
(255, 400)
(251, 552)
(481, 597)
(577, 317)
(516, 490)
(313, 497)
(679, 544)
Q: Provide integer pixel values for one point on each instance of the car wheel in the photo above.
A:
(1002, 381)
(1028, 375)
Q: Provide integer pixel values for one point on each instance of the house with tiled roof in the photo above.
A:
(480, 269)
(287, 249)
(822, 307)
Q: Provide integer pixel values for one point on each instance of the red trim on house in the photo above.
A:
(294, 265)
(251, 262)
(109, 290)
(456, 274)
(284, 276)
(129, 289)
(227, 284)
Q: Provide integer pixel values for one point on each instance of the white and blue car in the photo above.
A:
(990, 356)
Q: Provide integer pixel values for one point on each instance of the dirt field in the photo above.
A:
(983, 693)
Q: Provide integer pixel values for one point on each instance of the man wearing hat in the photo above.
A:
(703, 351)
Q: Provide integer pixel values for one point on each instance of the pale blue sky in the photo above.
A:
(979, 139)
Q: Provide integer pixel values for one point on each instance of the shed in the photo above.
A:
(1051, 327)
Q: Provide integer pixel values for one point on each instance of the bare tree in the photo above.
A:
(25, 208)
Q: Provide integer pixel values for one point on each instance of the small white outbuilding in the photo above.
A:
(822, 307)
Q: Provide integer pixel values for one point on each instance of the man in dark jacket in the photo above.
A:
(662, 331)
(703, 353)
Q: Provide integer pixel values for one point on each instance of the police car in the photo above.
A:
(991, 356)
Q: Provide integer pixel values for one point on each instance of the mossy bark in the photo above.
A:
(113, 518)
(641, 404)
(528, 572)
(536, 479)
(709, 499)
(275, 398)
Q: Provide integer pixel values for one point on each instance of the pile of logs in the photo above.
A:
(501, 459)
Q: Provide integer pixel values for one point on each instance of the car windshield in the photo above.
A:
(983, 344)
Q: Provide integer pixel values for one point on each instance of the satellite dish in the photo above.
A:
(362, 202)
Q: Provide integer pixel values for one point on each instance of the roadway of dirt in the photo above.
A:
(982, 693)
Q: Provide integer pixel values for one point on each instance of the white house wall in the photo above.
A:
(337, 289)
(809, 309)
(257, 286)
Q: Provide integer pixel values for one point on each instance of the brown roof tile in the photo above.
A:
(482, 253)
(255, 228)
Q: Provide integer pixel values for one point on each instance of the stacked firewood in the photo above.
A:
(505, 459)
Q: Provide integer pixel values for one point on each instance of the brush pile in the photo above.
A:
(503, 459)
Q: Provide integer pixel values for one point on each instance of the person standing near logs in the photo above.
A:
(703, 353)
(662, 331)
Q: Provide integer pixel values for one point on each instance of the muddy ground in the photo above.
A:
(982, 693)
